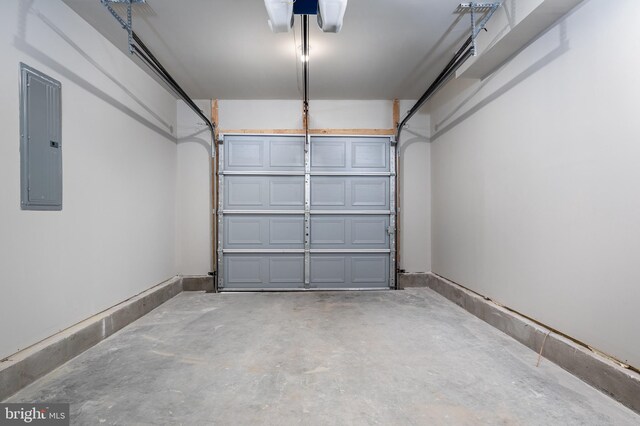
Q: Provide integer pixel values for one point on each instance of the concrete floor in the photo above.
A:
(392, 358)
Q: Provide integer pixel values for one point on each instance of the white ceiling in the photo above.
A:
(224, 49)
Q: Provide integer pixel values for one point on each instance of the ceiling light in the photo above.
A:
(280, 15)
(331, 14)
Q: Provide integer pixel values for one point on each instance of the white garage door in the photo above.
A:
(306, 214)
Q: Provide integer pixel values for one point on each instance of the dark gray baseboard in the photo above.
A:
(28, 365)
(412, 280)
(197, 283)
(620, 383)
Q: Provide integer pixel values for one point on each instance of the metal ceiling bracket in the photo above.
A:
(474, 8)
(107, 4)
(467, 50)
(129, 28)
(128, 24)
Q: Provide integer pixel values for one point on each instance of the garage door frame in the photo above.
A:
(308, 212)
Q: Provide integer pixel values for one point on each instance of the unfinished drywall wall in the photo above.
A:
(194, 223)
(535, 179)
(114, 236)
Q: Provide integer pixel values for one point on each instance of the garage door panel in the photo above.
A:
(328, 192)
(369, 231)
(370, 155)
(370, 192)
(244, 269)
(286, 270)
(246, 153)
(286, 191)
(349, 193)
(264, 271)
(372, 269)
(264, 193)
(264, 154)
(349, 271)
(287, 232)
(330, 154)
(286, 154)
(328, 269)
(349, 232)
(328, 231)
(263, 232)
(242, 192)
(243, 232)
(340, 154)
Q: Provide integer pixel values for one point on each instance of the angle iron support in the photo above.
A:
(220, 213)
(128, 24)
(115, 14)
(272, 212)
(483, 22)
(474, 45)
(351, 212)
(476, 27)
(392, 214)
(307, 211)
(129, 28)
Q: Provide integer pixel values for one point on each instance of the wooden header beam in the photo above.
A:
(305, 122)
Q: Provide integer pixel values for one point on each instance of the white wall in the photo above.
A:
(415, 192)
(287, 114)
(193, 207)
(536, 179)
(113, 238)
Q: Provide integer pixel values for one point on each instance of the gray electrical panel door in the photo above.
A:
(306, 213)
(40, 141)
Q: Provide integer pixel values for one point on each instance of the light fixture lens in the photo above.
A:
(331, 14)
(280, 15)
